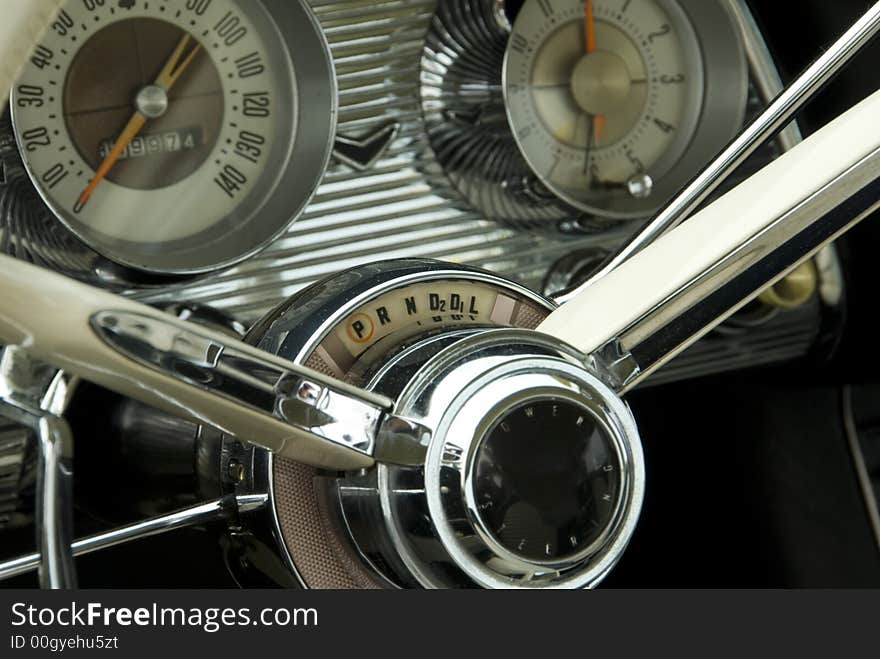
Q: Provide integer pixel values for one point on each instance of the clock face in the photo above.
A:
(601, 96)
(157, 130)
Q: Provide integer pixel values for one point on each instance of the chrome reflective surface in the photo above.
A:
(325, 409)
(386, 194)
(461, 392)
(384, 509)
(465, 118)
(389, 63)
(29, 397)
(200, 514)
(296, 330)
(404, 206)
(54, 501)
(619, 352)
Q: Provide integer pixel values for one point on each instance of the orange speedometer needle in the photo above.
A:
(598, 121)
(176, 65)
(134, 126)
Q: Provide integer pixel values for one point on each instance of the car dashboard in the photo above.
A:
(413, 131)
(425, 165)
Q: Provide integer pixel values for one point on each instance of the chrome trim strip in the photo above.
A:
(779, 113)
(763, 69)
(203, 513)
(55, 503)
(319, 406)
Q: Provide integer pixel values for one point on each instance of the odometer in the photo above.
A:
(161, 131)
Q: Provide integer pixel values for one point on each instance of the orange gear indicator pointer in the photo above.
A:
(152, 102)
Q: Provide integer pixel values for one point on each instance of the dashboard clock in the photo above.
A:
(176, 137)
(615, 104)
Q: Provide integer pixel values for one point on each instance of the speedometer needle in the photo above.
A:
(170, 74)
(598, 122)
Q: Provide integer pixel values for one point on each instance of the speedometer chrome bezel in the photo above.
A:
(288, 180)
(724, 84)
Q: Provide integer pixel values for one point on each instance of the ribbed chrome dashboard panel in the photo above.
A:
(401, 207)
(14, 467)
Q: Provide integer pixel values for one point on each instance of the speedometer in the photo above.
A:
(177, 136)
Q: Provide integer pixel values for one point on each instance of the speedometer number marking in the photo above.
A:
(216, 129)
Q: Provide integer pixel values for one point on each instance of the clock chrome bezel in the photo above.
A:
(725, 80)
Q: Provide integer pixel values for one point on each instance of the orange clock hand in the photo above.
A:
(589, 27)
(166, 79)
(598, 122)
(599, 127)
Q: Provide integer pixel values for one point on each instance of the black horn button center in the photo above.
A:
(546, 481)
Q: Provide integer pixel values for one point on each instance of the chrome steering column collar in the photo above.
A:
(533, 475)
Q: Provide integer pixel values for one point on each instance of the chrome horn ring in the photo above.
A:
(508, 508)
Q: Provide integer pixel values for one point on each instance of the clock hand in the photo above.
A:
(591, 141)
(589, 27)
(598, 123)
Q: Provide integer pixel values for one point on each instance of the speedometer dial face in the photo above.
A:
(604, 97)
(161, 131)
